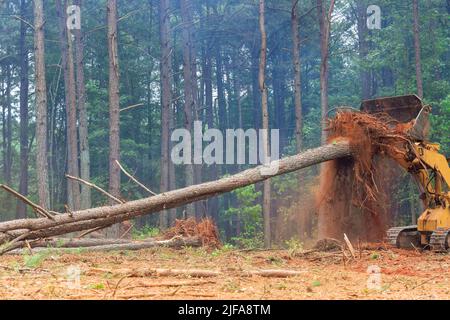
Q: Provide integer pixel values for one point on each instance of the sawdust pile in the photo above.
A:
(354, 192)
(206, 230)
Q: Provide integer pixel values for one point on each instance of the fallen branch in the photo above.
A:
(170, 284)
(37, 208)
(273, 273)
(131, 107)
(95, 187)
(154, 272)
(199, 273)
(134, 179)
(91, 230)
(75, 243)
(349, 246)
(108, 215)
(149, 294)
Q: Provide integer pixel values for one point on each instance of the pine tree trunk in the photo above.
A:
(190, 85)
(114, 131)
(7, 129)
(172, 178)
(220, 89)
(256, 96)
(73, 188)
(324, 25)
(213, 203)
(85, 161)
(417, 48)
(363, 48)
(265, 123)
(21, 211)
(166, 100)
(41, 106)
(298, 104)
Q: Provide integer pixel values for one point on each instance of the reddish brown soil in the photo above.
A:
(404, 275)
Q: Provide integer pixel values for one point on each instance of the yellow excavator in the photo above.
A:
(429, 168)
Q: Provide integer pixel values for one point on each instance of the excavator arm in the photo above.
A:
(430, 155)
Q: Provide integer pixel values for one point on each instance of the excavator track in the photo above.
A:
(439, 240)
(404, 237)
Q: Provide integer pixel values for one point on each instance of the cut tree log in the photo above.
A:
(197, 273)
(106, 244)
(39, 228)
(273, 273)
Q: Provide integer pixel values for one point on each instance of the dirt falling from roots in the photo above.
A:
(353, 196)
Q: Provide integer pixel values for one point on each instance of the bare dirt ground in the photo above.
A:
(324, 275)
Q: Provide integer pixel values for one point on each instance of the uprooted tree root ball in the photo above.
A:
(205, 230)
(354, 192)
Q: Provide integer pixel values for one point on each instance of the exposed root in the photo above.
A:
(358, 184)
(205, 230)
(328, 244)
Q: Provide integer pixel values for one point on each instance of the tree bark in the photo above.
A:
(85, 161)
(41, 106)
(325, 26)
(265, 122)
(256, 96)
(114, 130)
(21, 211)
(108, 215)
(190, 85)
(172, 178)
(363, 48)
(297, 76)
(166, 100)
(99, 245)
(221, 103)
(7, 129)
(305, 217)
(73, 189)
(279, 95)
(417, 49)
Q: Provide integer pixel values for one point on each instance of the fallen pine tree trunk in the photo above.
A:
(74, 243)
(22, 229)
(198, 273)
(87, 245)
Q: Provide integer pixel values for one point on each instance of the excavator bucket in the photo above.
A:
(404, 109)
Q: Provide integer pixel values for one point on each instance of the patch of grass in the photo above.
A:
(60, 243)
(107, 275)
(374, 256)
(76, 250)
(281, 286)
(316, 283)
(145, 232)
(224, 249)
(294, 246)
(165, 254)
(231, 286)
(197, 252)
(97, 286)
(35, 260)
(385, 287)
(275, 260)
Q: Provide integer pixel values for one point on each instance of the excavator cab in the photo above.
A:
(428, 166)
